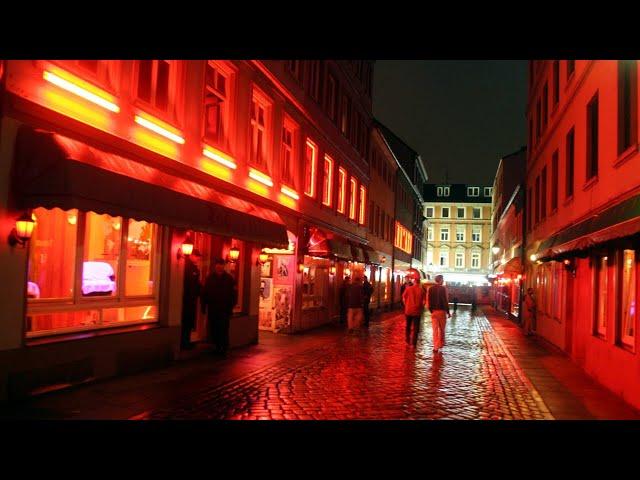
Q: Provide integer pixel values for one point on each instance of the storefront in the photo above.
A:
(507, 288)
(103, 286)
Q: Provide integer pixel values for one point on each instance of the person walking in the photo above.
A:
(190, 293)
(219, 296)
(342, 298)
(530, 317)
(355, 301)
(367, 292)
(403, 287)
(439, 308)
(413, 299)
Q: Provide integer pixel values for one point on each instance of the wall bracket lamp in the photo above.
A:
(21, 233)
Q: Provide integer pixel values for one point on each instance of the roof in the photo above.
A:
(457, 193)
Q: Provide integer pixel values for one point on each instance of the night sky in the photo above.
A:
(462, 116)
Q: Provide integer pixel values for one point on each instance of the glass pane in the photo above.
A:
(144, 79)
(144, 313)
(52, 254)
(629, 296)
(101, 254)
(212, 115)
(162, 85)
(602, 295)
(62, 322)
(141, 249)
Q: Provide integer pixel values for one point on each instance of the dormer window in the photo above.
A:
(473, 191)
(443, 191)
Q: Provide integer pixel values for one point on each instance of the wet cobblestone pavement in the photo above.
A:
(374, 374)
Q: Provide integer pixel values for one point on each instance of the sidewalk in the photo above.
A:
(568, 392)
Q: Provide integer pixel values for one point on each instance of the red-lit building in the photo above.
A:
(118, 163)
(507, 238)
(583, 210)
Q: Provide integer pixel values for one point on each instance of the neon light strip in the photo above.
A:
(214, 155)
(79, 91)
(261, 177)
(290, 193)
(154, 127)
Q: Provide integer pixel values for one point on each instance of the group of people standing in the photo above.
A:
(217, 297)
(414, 299)
(355, 298)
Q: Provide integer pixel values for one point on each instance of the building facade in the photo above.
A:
(583, 206)
(507, 237)
(458, 232)
(116, 164)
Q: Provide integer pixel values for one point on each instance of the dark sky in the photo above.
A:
(459, 115)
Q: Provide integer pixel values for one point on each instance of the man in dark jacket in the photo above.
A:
(439, 308)
(190, 294)
(219, 296)
(367, 291)
(342, 298)
(355, 301)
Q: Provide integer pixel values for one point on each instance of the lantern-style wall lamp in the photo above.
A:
(300, 267)
(332, 270)
(186, 248)
(234, 254)
(262, 258)
(570, 266)
(495, 250)
(23, 230)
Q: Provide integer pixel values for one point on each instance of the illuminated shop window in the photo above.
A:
(353, 197)
(288, 150)
(327, 181)
(217, 94)
(628, 300)
(118, 272)
(601, 295)
(342, 189)
(362, 206)
(260, 109)
(310, 167)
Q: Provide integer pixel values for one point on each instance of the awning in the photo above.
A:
(512, 267)
(55, 171)
(374, 257)
(321, 245)
(619, 221)
(357, 252)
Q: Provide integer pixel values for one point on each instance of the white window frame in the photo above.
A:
(442, 210)
(459, 256)
(460, 233)
(432, 212)
(490, 189)
(261, 101)
(473, 191)
(430, 229)
(476, 259)
(444, 229)
(476, 231)
(444, 253)
(477, 209)
(464, 212)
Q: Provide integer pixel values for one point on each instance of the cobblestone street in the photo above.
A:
(375, 375)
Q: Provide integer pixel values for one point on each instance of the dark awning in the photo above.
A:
(373, 256)
(357, 252)
(55, 171)
(618, 221)
(320, 245)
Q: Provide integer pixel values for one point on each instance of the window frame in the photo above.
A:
(174, 84)
(289, 124)
(225, 70)
(262, 100)
(327, 180)
(341, 203)
(310, 165)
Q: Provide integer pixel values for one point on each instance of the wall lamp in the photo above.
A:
(300, 267)
(234, 254)
(186, 248)
(570, 266)
(495, 250)
(23, 230)
(262, 258)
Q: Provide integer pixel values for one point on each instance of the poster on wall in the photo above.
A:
(284, 270)
(265, 269)
(265, 312)
(282, 306)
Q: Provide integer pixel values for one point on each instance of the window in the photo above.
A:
(537, 199)
(601, 295)
(473, 191)
(430, 257)
(342, 189)
(345, 115)
(314, 79)
(153, 86)
(477, 212)
(627, 104)
(460, 230)
(404, 239)
(429, 212)
(545, 105)
(330, 98)
(460, 212)
(459, 258)
(628, 301)
(363, 204)
(556, 82)
(554, 181)
(445, 212)
(327, 181)
(259, 124)
(288, 151)
(476, 234)
(475, 259)
(310, 165)
(353, 197)
(570, 149)
(118, 272)
(444, 233)
(216, 105)
(488, 191)
(543, 194)
(444, 257)
(430, 233)
(571, 66)
(443, 191)
(592, 138)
